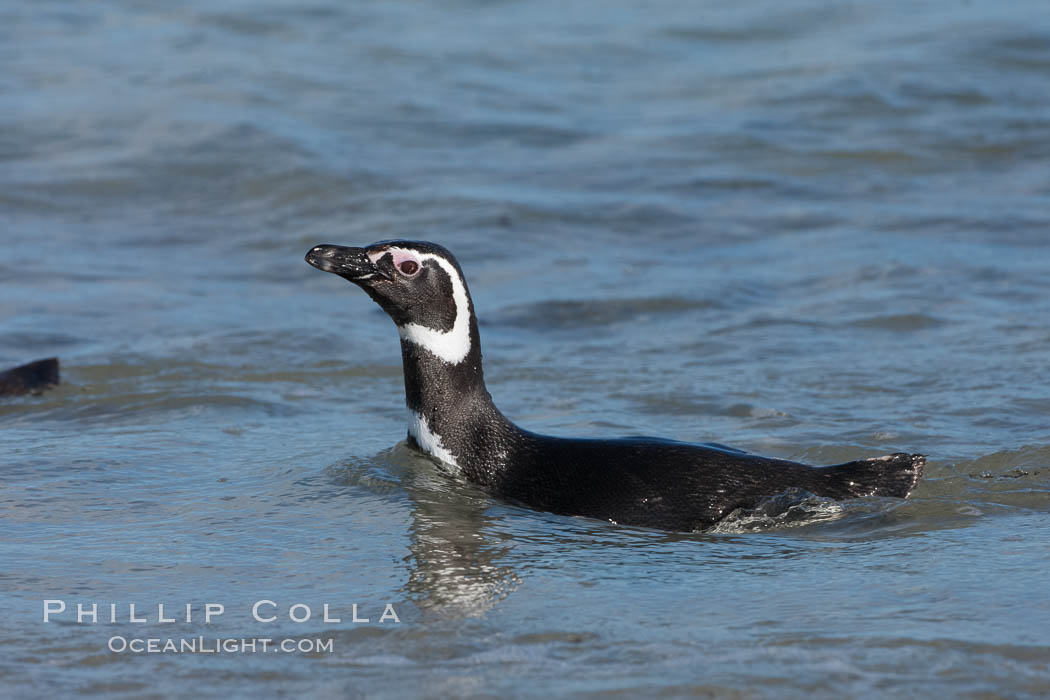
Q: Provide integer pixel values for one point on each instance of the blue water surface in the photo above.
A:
(809, 230)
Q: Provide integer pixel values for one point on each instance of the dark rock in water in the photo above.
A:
(32, 377)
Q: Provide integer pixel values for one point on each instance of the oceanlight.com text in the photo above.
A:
(218, 645)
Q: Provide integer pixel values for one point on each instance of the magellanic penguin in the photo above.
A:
(639, 481)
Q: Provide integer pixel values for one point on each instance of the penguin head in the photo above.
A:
(420, 285)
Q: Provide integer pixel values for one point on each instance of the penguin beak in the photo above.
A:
(349, 263)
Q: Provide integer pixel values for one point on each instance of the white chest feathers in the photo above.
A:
(427, 440)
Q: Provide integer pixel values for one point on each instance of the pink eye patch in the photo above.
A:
(404, 260)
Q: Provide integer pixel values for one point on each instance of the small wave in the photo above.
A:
(16, 345)
(679, 404)
(594, 312)
(899, 322)
(777, 26)
(1029, 460)
(365, 474)
(1000, 482)
(245, 25)
(1027, 50)
(792, 508)
(525, 134)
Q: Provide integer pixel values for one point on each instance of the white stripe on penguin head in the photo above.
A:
(452, 345)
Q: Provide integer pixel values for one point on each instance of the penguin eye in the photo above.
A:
(409, 267)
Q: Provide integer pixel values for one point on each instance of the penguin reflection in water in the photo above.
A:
(638, 481)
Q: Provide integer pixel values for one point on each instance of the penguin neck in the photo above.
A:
(450, 412)
(448, 395)
(451, 415)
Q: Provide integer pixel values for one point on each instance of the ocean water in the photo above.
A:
(816, 231)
